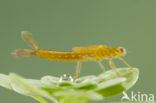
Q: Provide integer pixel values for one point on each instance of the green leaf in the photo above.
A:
(85, 79)
(112, 85)
(86, 85)
(22, 86)
(65, 84)
(131, 77)
(85, 88)
(40, 99)
(5, 81)
(79, 94)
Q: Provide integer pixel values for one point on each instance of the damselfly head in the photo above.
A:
(121, 51)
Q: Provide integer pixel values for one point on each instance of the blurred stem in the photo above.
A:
(73, 99)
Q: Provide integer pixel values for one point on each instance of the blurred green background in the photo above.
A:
(63, 24)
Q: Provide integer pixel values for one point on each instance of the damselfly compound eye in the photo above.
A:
(122, 49)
